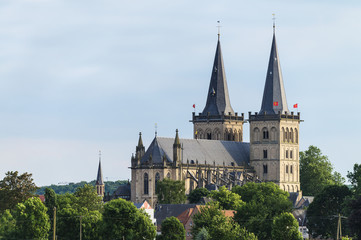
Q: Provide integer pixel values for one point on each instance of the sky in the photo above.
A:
(82, 76)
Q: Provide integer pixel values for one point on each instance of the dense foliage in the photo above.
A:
(316, 172)
(172, 229)
(218, 226)
(263, 202)
(122, 220)
(71, 187)
(355, 179)
(285, 227)
(171, 191)
(226, 199)
(15, 188)
(197, 194)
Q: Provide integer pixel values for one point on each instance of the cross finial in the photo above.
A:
(274, 22)
(219, 29)
(100, 155)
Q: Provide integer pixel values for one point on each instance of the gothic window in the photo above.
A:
(265, 169)
(157, 178)
(264, 153)
(291, 170)
(291, 135)
(216, 134)
(287, 135)
(209, 136)
(256, 135)
(291, 154)
(286, 168)
(286, 153)
(265, 133)
(283, 135)
(296, 136)
(146, 183)
(168, 175)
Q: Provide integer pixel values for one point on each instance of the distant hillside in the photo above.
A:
(71, 187)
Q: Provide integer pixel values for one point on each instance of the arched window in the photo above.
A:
(256, 135)
(208, 134)
(146, 183)
(291, 169)
(265, 133)
(291, 154)
(265, 169)
(273, 134)
(283, 135)
(291, 136)
(157, 178)
(216, 134)
(287, 135)
(168, 175)
(286, 168)
(286, 153)
(264, 153)
(296, 136)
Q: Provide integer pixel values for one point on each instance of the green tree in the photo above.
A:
(355, 179)
(172, 229)
(171, 191)
(316, 172)
(323, 212)
(88, 198)
(264, 201)
(196, 195)
(122, 219)
(227, 199)
(285, 227)
(354, 219)
(7, 225)
(50, 201)
(203, 235)
(218, 225)
(32, 221)
(15, 188)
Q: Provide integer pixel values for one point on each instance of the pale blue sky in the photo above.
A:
(82, 76)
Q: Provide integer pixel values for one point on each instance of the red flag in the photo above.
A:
(275, 103)
(194, 106)
(295, 105)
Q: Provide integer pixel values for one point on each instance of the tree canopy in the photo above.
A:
(316, 172)
(285, 227)
(264, 201)
(122, 219)
(226, 199)
(171, 191)
(323, 212)
(196, 195)
(172, 229)
(15, 188)
(355, 179)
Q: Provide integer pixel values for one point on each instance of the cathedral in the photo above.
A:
(217, 155)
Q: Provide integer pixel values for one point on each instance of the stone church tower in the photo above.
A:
(274, 132)
(218, 121)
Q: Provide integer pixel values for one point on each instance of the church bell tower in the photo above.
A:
(218, 121)
(274, 132)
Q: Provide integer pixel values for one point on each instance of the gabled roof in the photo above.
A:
(218, 98)
(199, 149)
(163, 211)
(274, 95)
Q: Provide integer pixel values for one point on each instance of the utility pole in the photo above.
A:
(54, 227)
(80, 218)
(339, 231)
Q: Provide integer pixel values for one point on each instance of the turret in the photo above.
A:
(177, 150)
(99, 184)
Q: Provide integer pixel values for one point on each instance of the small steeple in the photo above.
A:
(140, 141)
(274, 95)
(100, 174)
(218, 98)
(176, 140)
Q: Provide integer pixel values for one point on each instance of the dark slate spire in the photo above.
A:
(274, 95)
(140, 141)
(218, 99)
(176, 140)
(100, 174)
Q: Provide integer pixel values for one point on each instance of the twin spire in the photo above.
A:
(218, 102)
(274, 96)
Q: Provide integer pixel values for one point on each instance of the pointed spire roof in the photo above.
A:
(218, 98)
(140, 141)
(176, 140)
(274, 95)
(100, 174)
